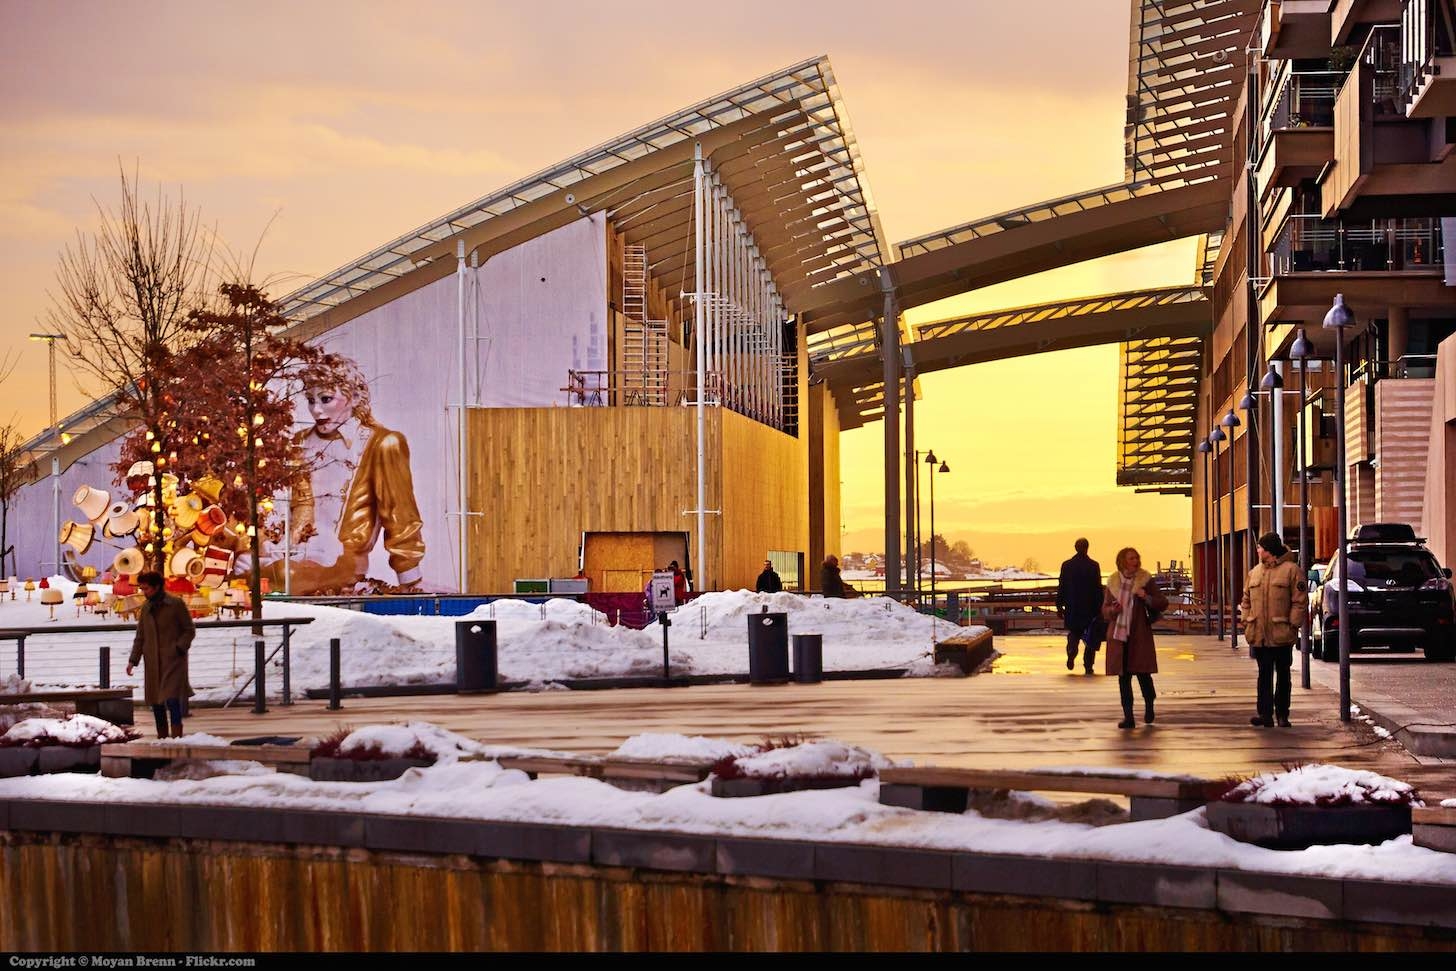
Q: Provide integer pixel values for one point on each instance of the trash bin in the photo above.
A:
(808, 658)
(768, 648)
(475, 656)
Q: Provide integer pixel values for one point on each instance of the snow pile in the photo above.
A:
(77, 731)
(14, 684)
(1319, 784)
(826, 758)
(1448, 803)
(191, 770)
(196, 738)
(412, 740)
(662, 747)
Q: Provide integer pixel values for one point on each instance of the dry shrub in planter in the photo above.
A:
(331, 747)
(1314, 804)
(747, 775)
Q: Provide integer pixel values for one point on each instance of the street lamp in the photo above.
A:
(55, 428)
(1338, 319)
(1204, 449)
(1231, 421)
(1300, 352)
(1214, 437)
(930, 460)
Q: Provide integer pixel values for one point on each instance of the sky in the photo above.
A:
(319, 131)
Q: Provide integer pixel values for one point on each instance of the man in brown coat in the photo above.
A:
(1276, 598)
(164, 633)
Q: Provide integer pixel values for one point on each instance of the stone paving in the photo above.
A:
(1029, 712)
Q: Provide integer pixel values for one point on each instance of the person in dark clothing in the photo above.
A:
(1079, 604)
(164, 633)
(768, 580)
(830, 583)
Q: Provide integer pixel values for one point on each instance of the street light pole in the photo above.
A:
(1231, 421)
(1300, 352)
(930, 460)
(1214, 437)
(51, 339)
(1338, 319)
(1204, 448)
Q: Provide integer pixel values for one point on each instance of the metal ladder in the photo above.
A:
(644, 351)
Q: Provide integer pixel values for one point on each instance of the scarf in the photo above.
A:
(1124, 588)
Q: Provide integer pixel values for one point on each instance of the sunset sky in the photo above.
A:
(355, 122)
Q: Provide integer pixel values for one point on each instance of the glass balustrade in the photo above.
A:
(1310, 244)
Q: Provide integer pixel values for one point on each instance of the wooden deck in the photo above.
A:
(1030, 713)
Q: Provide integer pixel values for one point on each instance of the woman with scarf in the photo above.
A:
(1130, 604)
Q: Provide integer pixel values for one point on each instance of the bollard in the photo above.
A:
(475, 656)
(260, 692)
(663, 620)
(768, 648)
(105, 679)
(808, 658)
(334, 674)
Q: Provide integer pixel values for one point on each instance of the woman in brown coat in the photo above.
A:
(164, 633)
(1130, 602)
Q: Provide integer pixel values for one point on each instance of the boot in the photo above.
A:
(1127, 719)
(1259, 721)
(1148, 711)
(177, 730)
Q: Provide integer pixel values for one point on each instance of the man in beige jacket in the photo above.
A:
(1276, 599)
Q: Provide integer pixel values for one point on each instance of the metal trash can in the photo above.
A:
(475, 668)
(808, 658)
(768, 648)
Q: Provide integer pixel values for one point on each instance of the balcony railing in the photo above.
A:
(1310, 244)
(1302, 99)
(1428, 31)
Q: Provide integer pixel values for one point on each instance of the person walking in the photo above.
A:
(1130, 604)
(164, 634)
(768, 580)
(1276, 598)
(1079, 602)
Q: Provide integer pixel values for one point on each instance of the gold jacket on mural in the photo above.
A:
(1276, 599)
(380, 498)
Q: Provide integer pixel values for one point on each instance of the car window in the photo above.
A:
(1403, 566)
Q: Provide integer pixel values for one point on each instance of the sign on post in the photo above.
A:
(660, 593)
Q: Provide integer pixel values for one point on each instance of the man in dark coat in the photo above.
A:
(1079, 604)
(768, 580)
(164, 633)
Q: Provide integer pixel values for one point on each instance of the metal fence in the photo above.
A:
(220, 664)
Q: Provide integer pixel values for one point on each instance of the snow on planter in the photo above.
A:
(788, 765)
(668, 747)
(415, 740)
(77, 731)
(1319, 784)
(14, 684)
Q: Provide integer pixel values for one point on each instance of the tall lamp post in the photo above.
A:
(1231, 421)
(1205, 450)
(930, 460)
(50, 340)
(1300, 352)
(1214, 437)
(1339, 318)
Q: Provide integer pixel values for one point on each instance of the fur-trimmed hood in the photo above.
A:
(1140, 580)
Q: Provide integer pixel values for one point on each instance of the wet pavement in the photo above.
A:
(1028, 712)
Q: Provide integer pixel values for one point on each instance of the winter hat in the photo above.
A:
(1273, 544)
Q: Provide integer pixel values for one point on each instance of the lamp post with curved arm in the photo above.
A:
(1338, 319)
(1231, 421)
(1214, 437)
(1205, 449)
(1300, 352)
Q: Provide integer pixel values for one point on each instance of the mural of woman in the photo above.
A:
(354, 487)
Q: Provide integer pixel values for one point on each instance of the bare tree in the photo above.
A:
(125, 293)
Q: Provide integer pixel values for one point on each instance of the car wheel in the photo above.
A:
(1329, 645)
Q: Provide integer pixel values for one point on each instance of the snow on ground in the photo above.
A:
(482, 790)
(75, 730)
(1320, 784)
(824, 757)
(14, 684)
(537, 644)
(667, 747)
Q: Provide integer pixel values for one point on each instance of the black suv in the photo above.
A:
(1400, 597)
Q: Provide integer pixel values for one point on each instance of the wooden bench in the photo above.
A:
(966, 651)
(1434, 827)
(122, 760)
(112, 704)
(948, 790)
(635, 774)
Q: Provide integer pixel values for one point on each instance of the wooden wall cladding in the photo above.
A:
(543, 476)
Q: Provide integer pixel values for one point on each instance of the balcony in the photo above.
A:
(1297, 129)
(1428, 66)
(1295, 28)
(1312, 244)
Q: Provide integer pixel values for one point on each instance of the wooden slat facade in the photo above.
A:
(1402, 439)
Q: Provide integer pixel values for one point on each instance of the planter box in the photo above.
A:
(16, 761)
(361, 770)
(1298, 827)
(735, 788)
(59, 758)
